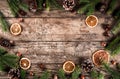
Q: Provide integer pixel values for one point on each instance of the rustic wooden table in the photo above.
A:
(54, 37)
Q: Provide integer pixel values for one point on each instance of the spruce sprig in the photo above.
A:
(115, 74)
(89, 6)
(7, 60)
(96, 75)
(61, 74)
(114, 46)
(116, 29)
(23, 74)
(76, 73)
(40, 4)
(45, 75)
(4, 23)
(112, 6)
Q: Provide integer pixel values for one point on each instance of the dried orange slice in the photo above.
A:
(25, 63)
(100, 56)
(91, 21)
(68, 66)
(15, 29)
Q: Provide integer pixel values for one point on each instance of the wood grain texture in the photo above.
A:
(54, 37)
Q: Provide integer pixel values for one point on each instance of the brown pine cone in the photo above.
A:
(87, 65)
(69, 4)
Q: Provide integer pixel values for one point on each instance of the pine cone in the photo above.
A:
(6, 43)
(68, 4)
(14, 73)
(87, 65)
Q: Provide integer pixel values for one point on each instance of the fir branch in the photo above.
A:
(76, 73)
(115, 74)
(112, 6)
(96, 75)
(113, 44)
(116, 29)
(116, 50)
(4, 23)
(2, 66)
(55, 4)
(35, 77)
(61, 74)
(45, 75)
(22, 74)
(12, 9)
(2, 52)
(48, 5)
(39, 4)
(8, 60)
(24, 7)
(89, 6)
(84, 1)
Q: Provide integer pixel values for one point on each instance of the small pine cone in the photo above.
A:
(6, 43)
(14, 73)
(33, 6)
(87, 65)
(68, 4)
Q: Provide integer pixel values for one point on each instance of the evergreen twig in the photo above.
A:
(45, 75)
(7, 60)
(4, 23)
(22, 74)
(61, 74)
(76, 73)
(96, 75)
(115, 74)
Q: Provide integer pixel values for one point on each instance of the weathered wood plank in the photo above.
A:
(57, 29)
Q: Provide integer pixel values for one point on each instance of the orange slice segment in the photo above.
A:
(91, 21)
(100, 56)
(25, 63)
(68, 66)
(15, 29)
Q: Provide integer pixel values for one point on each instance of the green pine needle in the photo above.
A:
(61, 74)
(112, 6)
(2, 52)
(84, 1)
(2, 66)
(24, 7)
(116, 29)
(4, 23)
(45, 75)
(48, 5)
(35, 77)
(113, 44)
(96, 75)
(89, 6)
(116, 51)
(22, 74)
(39, 4)
(76, 73)
(115, 74)
(7, 60)
(55, 4)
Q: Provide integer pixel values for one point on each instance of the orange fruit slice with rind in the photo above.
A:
(100, 57)
(91, 21)
(25, 63)
(15, 29)
(68, 67)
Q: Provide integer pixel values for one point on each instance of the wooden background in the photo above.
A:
(54, 37)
